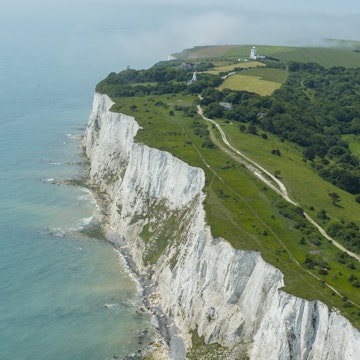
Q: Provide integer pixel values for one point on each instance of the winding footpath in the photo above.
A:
(274, 183)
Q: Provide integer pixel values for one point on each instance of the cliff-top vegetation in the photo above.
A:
(306, 132)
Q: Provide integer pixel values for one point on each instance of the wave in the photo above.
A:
(88, 196)
(82, 224)
(48, 180)
(73, 136)
(74, 230)
(126, 263)
(86, 221)
(58, 232)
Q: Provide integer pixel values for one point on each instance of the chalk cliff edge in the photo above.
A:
(228, 296)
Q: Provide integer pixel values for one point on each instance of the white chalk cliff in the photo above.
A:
(229, 296)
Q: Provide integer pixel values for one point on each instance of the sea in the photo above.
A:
(63, 295)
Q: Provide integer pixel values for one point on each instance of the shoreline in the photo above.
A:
(167, 342)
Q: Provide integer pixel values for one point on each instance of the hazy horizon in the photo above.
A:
(111, 34)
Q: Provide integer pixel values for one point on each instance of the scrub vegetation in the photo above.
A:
(306, 133)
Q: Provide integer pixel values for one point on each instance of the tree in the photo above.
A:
(276, 152)
(243, 128)
(252, 129)
(309, 153)
(322, 215)
(335, 197)
(214, 110)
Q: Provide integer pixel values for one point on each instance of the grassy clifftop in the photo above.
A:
(344, 54)
(239, 207)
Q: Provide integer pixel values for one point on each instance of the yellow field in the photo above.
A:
(254, 84)
(229, 68)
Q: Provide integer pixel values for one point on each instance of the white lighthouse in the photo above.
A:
(194, 78)
(253, 55)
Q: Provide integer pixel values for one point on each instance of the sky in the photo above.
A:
(117, 33)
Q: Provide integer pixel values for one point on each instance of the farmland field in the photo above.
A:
(231, 67)
(269, 74)
(252, 83)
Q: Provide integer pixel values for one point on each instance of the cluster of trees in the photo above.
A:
(347, 232)
(201, 130)
(313, 109)
(312, 261)
(293, 213)
(344, 258)
(163, 78)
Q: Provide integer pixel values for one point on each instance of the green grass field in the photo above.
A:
(231, 67)
(260, 81)
(253, 84)
(238, 206)
(269, 74)
(326, 56)
(304, 185)
(354, 143)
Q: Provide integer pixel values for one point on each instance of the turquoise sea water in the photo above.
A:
(54, 282)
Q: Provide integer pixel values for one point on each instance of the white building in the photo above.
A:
(253, 55)
(193, 79)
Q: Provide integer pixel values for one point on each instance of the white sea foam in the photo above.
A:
(73, 136)
(48, 180)
(82, 223)
(57, 232)
(87, 221)
(127, 270)
(114, 308)
(88, 197)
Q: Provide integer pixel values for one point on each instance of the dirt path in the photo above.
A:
(272, 182)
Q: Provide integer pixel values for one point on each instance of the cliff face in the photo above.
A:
(229, 296)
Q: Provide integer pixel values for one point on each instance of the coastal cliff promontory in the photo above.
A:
(228, 296)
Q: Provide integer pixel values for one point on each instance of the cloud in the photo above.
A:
(174, 32)
(139, 32)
